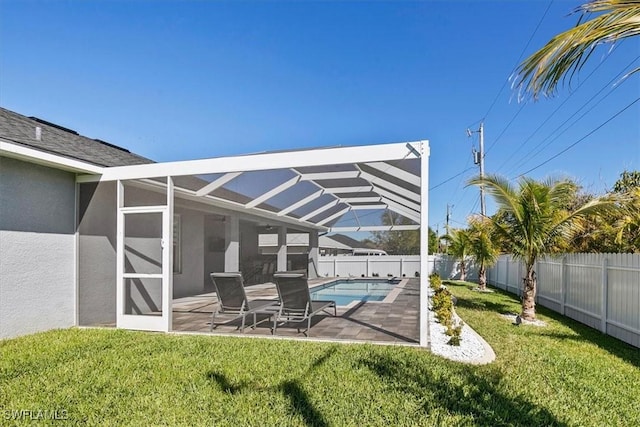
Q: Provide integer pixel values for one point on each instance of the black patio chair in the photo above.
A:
(295, 300)
(232, 299)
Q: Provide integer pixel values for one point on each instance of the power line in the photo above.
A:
(581, 139)
(530, 155)
(475, 205)
(451, 178)
(556, 110)
(524, 49)
(506, 127)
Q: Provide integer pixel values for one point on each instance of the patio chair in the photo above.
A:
(295, 300)
(232, 299)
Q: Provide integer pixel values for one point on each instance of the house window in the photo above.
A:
(177, 244)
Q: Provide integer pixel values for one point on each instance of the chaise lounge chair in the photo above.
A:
(232, 299)
(295, 300)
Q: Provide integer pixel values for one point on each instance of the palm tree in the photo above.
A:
(459, 248)
(483, 251)
(534, 218)
(566, 53)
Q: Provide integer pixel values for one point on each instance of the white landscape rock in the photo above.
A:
(472, 349)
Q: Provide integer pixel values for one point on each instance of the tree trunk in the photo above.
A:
(528, 295)
(482, 278)
(463, 272)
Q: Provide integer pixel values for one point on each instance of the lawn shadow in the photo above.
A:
(583, 333)
(299, 401)
(301, 404)
(484, 305)
(459, 390)
(224, 383)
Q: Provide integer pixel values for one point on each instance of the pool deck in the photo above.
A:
(393, 320)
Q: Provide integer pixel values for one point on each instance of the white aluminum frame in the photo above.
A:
(137, 321)
(395, 197)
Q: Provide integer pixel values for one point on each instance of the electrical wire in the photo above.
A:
(553, 113)
(581, 139)
(524, 49)
(531, 154)
(450, 179)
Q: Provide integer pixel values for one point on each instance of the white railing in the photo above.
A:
(390, 265)
(599, 290)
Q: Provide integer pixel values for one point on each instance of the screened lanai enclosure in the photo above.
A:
(150, 235)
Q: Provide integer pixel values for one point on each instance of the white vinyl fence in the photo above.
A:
(390, 265)
(599, 290)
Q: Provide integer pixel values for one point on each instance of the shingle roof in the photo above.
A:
(54, 139)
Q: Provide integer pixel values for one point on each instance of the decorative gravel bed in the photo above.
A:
(472, 349)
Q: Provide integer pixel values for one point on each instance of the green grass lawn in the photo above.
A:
(564, 374)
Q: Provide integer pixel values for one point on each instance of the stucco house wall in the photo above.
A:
(37, 248)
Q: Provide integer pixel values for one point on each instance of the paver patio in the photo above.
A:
(396, 321)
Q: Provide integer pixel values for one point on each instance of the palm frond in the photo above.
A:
(566, 53)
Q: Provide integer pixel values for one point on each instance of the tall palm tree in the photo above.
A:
(483, 250)
(534, 217)
(566, 53)
(459, 248)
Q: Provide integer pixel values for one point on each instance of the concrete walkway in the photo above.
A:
(396, 320)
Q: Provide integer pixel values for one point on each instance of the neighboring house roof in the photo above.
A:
(299, 239)
(349, 241)
(330, 243)
(19, 129)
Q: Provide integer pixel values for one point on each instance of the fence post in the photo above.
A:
(605, 289)
(536, 269)
(563, 280)
(519, 278)
(506, 276)
(368, 267)
(401, 266)
(335, 267)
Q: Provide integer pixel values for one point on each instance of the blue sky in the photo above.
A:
(194, 79)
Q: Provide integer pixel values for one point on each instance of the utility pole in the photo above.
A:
(448, 216)
(478, 159)
(483, 209)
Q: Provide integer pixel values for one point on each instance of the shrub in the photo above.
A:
(435, 281)
(455, 333)
(442, 302)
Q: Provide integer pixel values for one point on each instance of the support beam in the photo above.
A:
(271, 193)
(395, 171)
(329, 175)
(414, 216)
(386, 185)
(217, 183)
(368, 207)
(424, 244)
(339, 190)
(319, 210)
(232, 243)
(334, 216)
(282, 249)
(167, 257)
(264, 161)
(360, 199)
(314, 255)
(386, 195)
(301, 203)
(375, 228)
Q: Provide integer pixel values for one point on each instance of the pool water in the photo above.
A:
(344, 292)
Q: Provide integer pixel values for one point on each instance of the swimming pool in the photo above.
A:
(344, 292)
